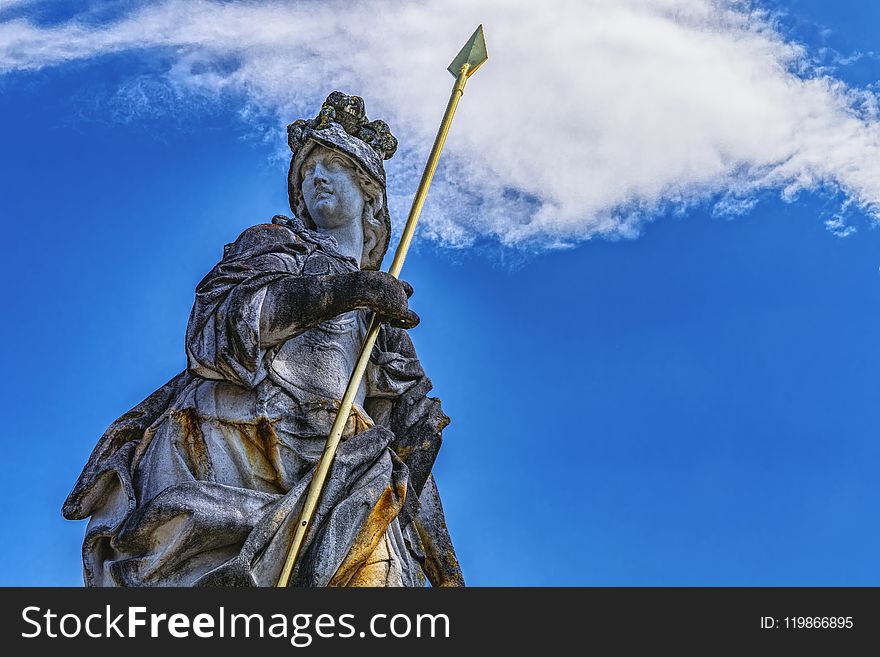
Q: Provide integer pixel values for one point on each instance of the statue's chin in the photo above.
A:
(327, 218)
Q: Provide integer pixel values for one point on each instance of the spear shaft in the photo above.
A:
(463, 66)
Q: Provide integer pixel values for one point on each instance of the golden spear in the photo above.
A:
(465, 64)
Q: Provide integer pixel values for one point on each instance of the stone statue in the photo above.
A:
(202, 482)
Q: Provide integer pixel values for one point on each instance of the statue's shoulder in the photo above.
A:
(288, 234)
(281, 234)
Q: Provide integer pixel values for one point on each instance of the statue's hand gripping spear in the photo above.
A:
(465, 64)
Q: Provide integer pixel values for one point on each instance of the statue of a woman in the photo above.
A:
(202, 482)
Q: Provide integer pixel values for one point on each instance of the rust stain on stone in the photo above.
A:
(194, 446)
(441, 564)
(357, 421)
(451, 560)
(259, 442)
(267, 440)
(356, 567)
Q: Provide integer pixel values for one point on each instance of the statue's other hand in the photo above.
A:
(386, 295)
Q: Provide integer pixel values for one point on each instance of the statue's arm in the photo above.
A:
(294, 304)
(441, 563)
(257, 296)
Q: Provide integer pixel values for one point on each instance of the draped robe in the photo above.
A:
(202, 482)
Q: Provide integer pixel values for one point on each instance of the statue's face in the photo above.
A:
(330, 189)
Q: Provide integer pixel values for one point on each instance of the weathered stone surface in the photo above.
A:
(202, 482)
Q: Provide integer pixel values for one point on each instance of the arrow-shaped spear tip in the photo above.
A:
(473, 54)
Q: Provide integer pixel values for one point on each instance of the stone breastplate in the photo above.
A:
(315, 366)
(320, 361)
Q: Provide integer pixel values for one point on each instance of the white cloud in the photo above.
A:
(590, 116)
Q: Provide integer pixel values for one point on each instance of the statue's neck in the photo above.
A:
(349, 239)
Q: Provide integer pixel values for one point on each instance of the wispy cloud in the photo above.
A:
(590, 117)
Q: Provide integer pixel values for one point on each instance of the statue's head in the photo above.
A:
(341, 144)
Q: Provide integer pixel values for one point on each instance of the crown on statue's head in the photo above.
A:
(349, 113)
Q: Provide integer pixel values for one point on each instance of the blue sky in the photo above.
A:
(661, 377)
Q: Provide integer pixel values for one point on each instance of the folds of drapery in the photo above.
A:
(175, 498)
